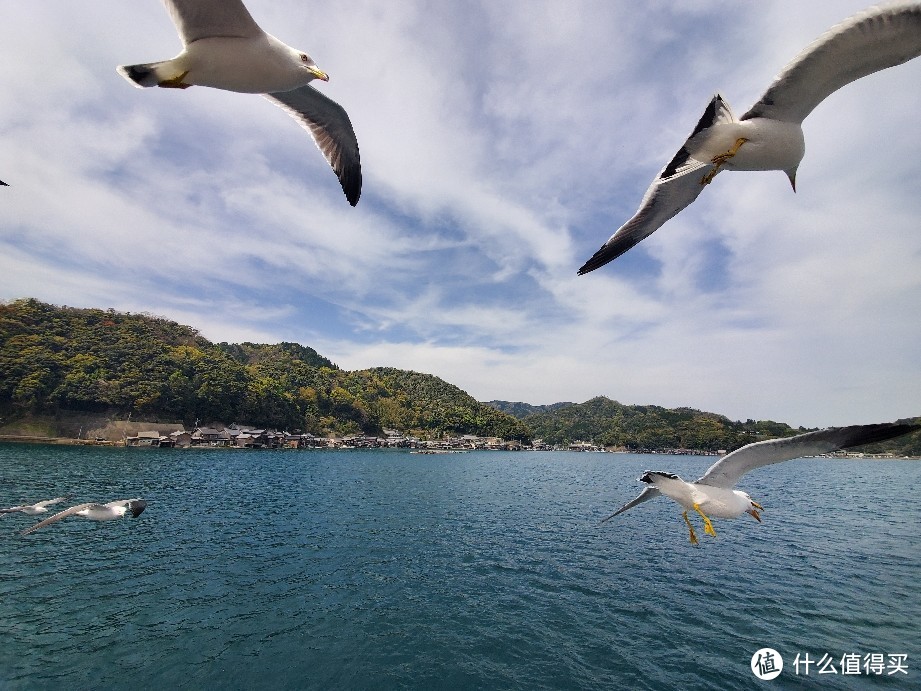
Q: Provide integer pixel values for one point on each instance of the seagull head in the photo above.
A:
(308, 64)
(136, 507)
(754, 509)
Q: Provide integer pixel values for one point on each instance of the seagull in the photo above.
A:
(712, 493)
(95, 512)
(770, 135)
(36, 508)
(224, 48)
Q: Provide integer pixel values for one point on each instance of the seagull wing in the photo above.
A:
(331, 129)
(47, 502)
(58, 516)
(195, 19)
(727, 471)
(13, 509)
(675, 187)
(647, 494)
(868, 42)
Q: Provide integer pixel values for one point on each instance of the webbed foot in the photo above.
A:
(720, 159)
(692, 536)
(175, 82)
(708, 526)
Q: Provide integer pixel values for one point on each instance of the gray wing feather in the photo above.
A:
(647, 494)
(195, 19)
(674, 188)
(331, 129)
(727, 471)
(868, 42)
(57, 517)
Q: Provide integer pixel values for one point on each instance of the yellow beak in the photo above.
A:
(318, 73)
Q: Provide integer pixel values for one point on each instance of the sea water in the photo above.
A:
(484, 570)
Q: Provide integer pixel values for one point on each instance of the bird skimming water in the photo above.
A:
(713, 494)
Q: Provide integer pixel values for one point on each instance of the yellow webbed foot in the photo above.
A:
(720, 159)
(692, 536)
(708, 526)
(175, 82)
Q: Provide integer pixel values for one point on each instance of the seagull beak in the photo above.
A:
(318, 73)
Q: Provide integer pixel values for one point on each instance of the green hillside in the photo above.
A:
(65, 359)
(653, 428)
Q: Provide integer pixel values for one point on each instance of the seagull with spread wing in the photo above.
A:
(95, 512)
(770, 135)
(36, 508)
(224, 48)
(713, 494)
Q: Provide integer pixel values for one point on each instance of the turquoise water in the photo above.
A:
(387, 570)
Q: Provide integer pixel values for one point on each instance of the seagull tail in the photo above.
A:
(141, 75)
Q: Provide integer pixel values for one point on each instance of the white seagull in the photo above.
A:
(712, 494)
(36, 508)
(770, 135)
(224, 48)
(95, 512)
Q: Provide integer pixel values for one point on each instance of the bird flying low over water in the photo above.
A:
(95, 512)
(36, 508)
(224, 48)
(770, 135)
(712, 494)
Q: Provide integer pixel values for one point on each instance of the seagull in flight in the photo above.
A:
(770, 135)
(713, 494)
(224, 48)
(95, 512)
(36, 508)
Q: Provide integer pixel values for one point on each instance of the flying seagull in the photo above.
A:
(770, 135)
(712, 493)
(224, 48)
(95, 512)
(36, 508)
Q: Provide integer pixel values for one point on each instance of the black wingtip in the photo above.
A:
(351, 185)
(3, 183)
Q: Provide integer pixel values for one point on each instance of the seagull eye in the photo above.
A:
(304, 57)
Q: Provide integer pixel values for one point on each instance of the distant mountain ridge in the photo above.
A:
(523, 410)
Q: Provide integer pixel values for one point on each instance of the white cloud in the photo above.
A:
(501, 144)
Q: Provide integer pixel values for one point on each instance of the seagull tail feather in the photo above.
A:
(141, 75)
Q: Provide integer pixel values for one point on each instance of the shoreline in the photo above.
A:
(71, 441)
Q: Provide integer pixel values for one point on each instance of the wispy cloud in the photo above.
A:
(501, 144)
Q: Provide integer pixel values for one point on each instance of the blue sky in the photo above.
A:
(501, 144)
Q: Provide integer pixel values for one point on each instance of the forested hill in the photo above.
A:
(66, 359)
(648, 427)
(62, 359)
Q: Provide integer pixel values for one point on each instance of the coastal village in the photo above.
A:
(243, 437)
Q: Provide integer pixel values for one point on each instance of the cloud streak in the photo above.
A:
(501, 144)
